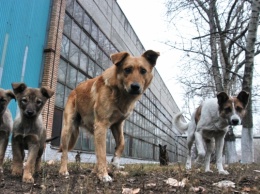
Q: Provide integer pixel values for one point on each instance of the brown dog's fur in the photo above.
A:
(105, 102)
(6, 122)
(28, 130)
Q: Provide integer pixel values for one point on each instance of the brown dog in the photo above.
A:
(6, 122)
(105, 102)
(28, 130)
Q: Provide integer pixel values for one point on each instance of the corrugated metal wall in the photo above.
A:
(23, 29)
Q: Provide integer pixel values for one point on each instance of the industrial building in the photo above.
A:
(60, 43)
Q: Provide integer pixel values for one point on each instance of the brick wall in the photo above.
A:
(52, 58)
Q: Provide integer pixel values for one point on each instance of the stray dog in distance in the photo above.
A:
(163, 155)
(6, 122)
(77, 157)
(209, 125)
(28, 130)
(105, 102)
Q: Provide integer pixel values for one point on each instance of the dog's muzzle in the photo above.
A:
(29, 113)
(135, 88)
(235, 120)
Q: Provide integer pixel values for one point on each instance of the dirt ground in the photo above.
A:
(137, 178)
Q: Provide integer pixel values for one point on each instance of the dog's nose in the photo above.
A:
(135, 87)
(29, 113)
(235, 121)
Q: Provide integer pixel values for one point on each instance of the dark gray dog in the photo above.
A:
(163, 155)
(28, 130)
(6, 122)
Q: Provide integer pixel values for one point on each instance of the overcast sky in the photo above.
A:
(148, 20)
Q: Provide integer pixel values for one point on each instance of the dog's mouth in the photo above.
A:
(134, 92)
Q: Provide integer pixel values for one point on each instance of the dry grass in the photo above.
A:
(149, 178)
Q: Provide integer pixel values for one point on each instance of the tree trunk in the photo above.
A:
(247, 131)
(230, 151)
(213, 46)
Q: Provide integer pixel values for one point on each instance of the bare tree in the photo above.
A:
(216, 49)
(247, 133)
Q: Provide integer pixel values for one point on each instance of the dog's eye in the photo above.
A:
(228, 109)
(24, 101)
(39, 102)
(239, 109)
(143, 71)
(128, 70)
(2, 100)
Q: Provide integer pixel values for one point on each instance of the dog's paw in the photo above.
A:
(106, 178)
(188, 166)
(116, 163)
(64, 173)
(223, 172)
(28, 179)
(210, 171)
(117, 166)
(17, 172)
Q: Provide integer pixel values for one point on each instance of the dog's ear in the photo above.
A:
(243, 97)
(160, 145)
(222, 97)
(18, 87)
(10, 94)
(151, 56)
(48, 93)
(118, 58)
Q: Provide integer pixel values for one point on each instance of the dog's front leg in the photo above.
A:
(29, 168)
(118, 133)
(219, 152)
(200, 146)
(3, 145)
(210, 143)
(100, 132)
(18, 155)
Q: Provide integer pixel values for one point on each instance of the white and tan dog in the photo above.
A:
(209, 125)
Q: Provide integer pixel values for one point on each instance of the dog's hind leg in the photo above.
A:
(190, 140)
(219, 151)
(210, 144)
(69, 137)
(69, 133)
(118, 133)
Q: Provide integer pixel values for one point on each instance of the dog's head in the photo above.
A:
(31, 100)
(134, 74)
(233, 109)
(5, 97)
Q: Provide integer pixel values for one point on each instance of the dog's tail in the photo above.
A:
(179, 123)
(50, 139)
